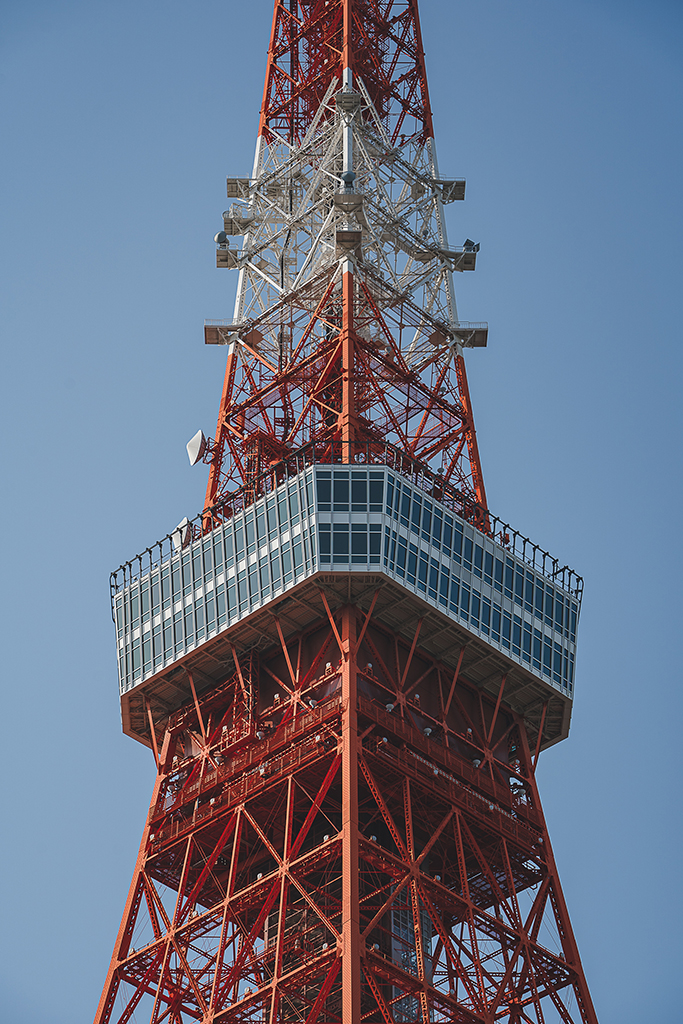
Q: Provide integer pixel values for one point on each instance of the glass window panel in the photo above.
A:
(136, 659)
(376, 492)
(416, 515)
(229, 547)
(397, 499)
(242, 590)
(272, 519)
(444, 584)
(178, 631)
(447, 534)
(485, 614)
(187, 574)
(412, 563)
(437, 525)
(509, 576)
(538, 600)
(286, 563)
(294, 504)
(232, 597)
(457, 540)
(189, 625)
(557, 663)
(498, 574)
(516, 634)
(325, 541)
(495, 623)
(340, 543)
(251, 533)
(405, 507)
(283, 511)
(199, 620)
(519, 585)
(464, 601)
(375, 542)
(401, 557)
(547, 655)
(422, 572)
(252, 573)
(359, 541)
(359, 493)
(275, 569)
(549, 595)
(433, 577)
(427, 521)
(157, 645)
(341, 492)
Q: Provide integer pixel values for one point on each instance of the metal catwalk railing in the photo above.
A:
(409, 469)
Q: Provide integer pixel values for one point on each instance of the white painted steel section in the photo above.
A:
(291, 216)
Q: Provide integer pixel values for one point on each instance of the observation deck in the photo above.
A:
(386, 526)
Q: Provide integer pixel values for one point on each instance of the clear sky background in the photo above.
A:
(119, 122)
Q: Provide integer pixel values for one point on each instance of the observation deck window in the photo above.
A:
(503, 591)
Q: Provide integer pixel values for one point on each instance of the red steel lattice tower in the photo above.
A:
(346, 666)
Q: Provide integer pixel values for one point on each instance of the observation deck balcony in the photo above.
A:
(387, 523)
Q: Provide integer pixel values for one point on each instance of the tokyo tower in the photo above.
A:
(346, 666)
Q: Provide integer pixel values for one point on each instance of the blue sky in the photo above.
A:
(119, 123)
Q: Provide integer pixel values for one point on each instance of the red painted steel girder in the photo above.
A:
(267, 412)
(313, 42)
(359, 841)
(285, 376)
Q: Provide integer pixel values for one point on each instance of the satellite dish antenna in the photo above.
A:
(196, 447)
(182, 535)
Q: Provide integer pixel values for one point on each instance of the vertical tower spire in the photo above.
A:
(346, 667)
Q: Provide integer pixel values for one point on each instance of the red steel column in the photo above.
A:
(135, 895)
(570, 947)
(351, 942)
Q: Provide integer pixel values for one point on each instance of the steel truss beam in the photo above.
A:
(345, 173)
(339, 861)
